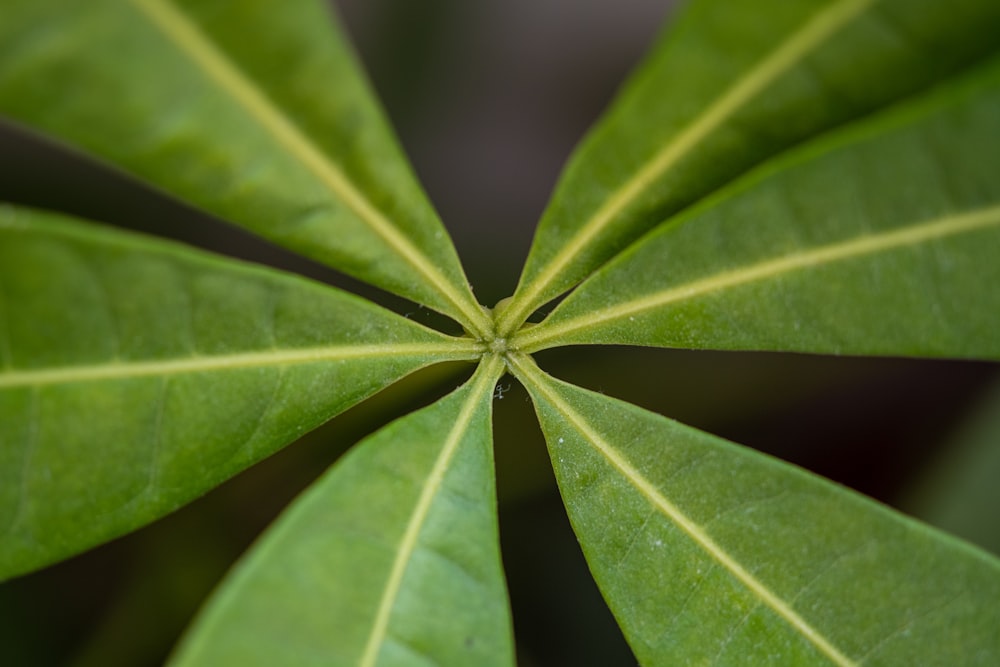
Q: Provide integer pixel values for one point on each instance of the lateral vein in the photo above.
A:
(536, 339)
(189, 40)
(685, 523)
(487, 375)
(824, 24)
(446, 351)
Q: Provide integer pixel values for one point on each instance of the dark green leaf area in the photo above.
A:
(882, 239)
(709, 553)
(391, 558)
(254, 113)
(725, 89)
(135, 375)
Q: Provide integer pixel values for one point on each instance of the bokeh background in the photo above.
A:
(489, 98)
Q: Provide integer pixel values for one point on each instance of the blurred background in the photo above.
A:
(489, 98)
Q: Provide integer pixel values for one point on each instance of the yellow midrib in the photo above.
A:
(190, 41)
(681, 520)
(459, 349)
(488, 373)
(537, 338)
(811, 35)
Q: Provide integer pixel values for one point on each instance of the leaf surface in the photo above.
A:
(136, 374)
(881, 238)
(710, 553)
(254, 112)
(727, 87)
(391, 558)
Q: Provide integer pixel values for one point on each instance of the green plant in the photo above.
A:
(814, 176)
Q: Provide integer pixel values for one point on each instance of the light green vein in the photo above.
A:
(190, 40)
(527, 371)
(812, 34)
(456, 350)
(543, 336)
(487, 375)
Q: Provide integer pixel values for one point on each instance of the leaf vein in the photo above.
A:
(733, 630)
(487, 377)
(817, 30)
(618, 461)
(909, 624)
(195, 45)
(634, 538)
(544, 336)
(272, 400)
(445, 351)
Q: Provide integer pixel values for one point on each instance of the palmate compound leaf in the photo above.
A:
(391, 558)
(731, 84)
(710, 553)
(882, 238)
(136, 374)
(250, 109)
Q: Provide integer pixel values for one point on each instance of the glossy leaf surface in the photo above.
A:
(880, 239)
(254, 112)
(709, 553)
(392, 558)
(728, 86)
(136, 374)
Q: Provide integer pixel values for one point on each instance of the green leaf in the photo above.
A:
(710, 553)
(136, 374)
(879, 239)
(729, 86)
(392, 558)
(254, 113)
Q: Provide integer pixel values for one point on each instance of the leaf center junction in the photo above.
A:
(498, 345)
(497, 341)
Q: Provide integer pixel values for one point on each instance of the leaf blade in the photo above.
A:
(873, 240)
(137, 374)
(379, 605)
(224, 125)
(720, 93)
(769, 565)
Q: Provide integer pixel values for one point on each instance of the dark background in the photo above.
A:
(489, 98)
